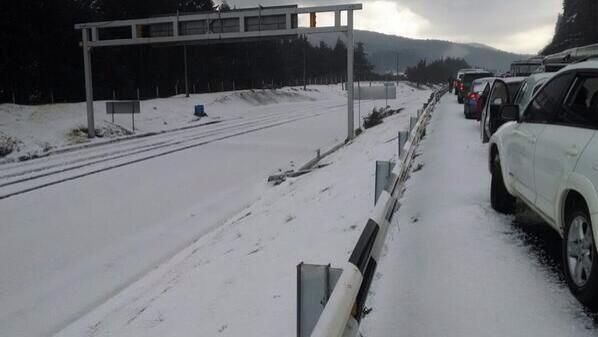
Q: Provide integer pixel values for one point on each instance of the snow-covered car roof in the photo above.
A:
(472, 70)
(484, 80)
(479, 84)
(507, 80)
(512, 79)
(591, 64)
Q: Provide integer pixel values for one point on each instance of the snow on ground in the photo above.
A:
(39, 128)
(73, 239)
(454, 267)
(239, 279)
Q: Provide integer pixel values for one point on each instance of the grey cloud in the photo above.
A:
(463, 20)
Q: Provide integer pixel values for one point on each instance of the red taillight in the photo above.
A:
(474, 96)
(462, 87)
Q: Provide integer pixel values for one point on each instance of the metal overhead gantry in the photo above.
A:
(230, 26)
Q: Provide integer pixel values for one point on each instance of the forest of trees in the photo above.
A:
(41, 60)
(576, 27)
(436, 72)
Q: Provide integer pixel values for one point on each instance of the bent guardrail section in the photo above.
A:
(344, 309)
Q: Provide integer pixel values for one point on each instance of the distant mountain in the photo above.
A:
(382, 50)
(481, 45)
(576, 27)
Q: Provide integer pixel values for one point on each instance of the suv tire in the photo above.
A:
(580, 261)
(500, 199)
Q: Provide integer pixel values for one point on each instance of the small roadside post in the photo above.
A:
(412, 122)
(403, 136)
(383, 174)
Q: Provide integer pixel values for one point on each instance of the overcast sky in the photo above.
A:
(523, 26)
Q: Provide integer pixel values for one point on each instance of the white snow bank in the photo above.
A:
(40, 128)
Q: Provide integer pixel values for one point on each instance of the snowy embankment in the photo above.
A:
(453, 266)
(102, 217)
(31, 130)
(239, 279)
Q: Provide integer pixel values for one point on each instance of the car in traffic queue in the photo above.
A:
(500, 92)
(467, 82)
(546, 155)
(474, 99)
(458, 80)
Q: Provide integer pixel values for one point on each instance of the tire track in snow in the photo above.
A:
(178, 149)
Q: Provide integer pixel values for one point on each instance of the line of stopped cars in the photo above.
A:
(542, 132)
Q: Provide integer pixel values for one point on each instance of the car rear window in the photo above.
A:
(467, 78)
(479, 86)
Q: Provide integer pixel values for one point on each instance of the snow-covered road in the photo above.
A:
(78, 227)
(454, 267)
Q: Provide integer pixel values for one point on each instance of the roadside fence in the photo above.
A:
(331, 301)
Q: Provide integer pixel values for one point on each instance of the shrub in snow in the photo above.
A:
(374, 118)
(7, 145)
(77, 134)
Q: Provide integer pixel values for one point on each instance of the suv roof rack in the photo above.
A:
(573, 55)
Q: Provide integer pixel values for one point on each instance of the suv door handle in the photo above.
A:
(572, 151)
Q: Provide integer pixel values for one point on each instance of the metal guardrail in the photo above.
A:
(344, 308)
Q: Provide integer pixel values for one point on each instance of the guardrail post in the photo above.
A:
(382, 177)
(412, 122)
(402, 139)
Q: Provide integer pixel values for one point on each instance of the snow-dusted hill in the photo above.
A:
(31, 130)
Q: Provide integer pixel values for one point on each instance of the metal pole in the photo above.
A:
(91, 132)
(386, 93)
(359, 103)
(350, 122)
(304, 61)
(186, 76)
(397, 69)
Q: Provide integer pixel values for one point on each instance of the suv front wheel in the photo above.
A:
(580, 262)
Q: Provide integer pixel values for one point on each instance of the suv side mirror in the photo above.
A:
(509, 113)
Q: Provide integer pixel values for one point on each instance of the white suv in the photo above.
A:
(547, 156)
